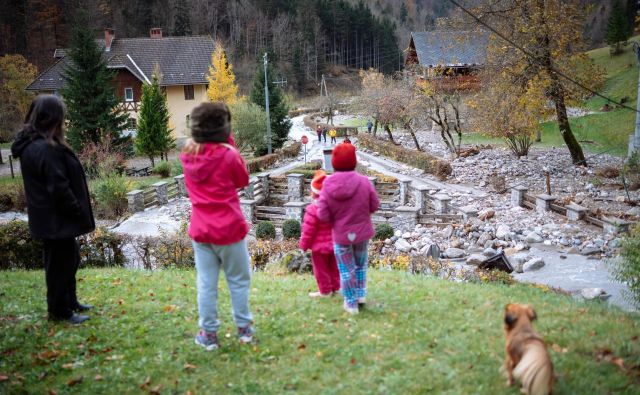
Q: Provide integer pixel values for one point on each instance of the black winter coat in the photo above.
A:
(55, 186)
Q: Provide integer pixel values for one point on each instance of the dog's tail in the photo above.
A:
(535, 370)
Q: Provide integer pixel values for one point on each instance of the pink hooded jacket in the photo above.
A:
(316, 235)
(213, 177)
(347, 201)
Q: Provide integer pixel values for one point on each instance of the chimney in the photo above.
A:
(109, 36)
(155, 32)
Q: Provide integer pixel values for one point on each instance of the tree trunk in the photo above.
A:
(1, 161)
(413, 135)
(375, 126)
(388, 130)
(577, 156)
(153, 163)
(538, 136)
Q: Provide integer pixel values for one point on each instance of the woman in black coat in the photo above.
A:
(57, 202)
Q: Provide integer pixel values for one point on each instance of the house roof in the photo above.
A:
(182, 61)
(451, 48)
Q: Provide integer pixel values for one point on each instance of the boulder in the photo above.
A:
(594, 293)
(403, 245)
(533, 237)
(475, 259)
(590, 251)
(454, 253)
(486, 214)
(489, 252)
(503, 231)
(533, 265)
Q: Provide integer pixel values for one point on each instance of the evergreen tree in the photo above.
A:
(617, 28)
(278, 111)
(222, 81)
(154, 136)
(182, 23)
(403, 13)
(92, 105)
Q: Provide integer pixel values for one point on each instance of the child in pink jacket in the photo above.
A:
(213, 172)
(316, 236)
(347, 201)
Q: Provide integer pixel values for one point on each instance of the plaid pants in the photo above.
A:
(352, 263)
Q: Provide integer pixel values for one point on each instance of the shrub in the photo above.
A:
(101, 159)
(265, 230)
(291, 229)
(110, 194)
(18, 250)
(169, 250)
(443, 170)
(257, 164)
(418, 159)
(12, 197)
(383, 232)
(176, 168)
(627, 269)
(163, 169)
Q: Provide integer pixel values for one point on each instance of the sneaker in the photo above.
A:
(350, 310)
(208, 340)
(362, 302)
(245, 335)
(318, 294)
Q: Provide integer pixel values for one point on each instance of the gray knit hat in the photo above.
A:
(211, 123)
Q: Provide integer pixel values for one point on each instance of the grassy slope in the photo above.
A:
(610, 131)
(420, 335)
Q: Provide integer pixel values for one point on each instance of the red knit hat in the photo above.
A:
(344, 157)
(318, 180)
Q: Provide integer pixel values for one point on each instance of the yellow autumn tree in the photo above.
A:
(222, 81)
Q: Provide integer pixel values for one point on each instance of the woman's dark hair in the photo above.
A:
(211, 123)
(46, 117)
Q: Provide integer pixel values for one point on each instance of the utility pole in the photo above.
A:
(634, 141)
(266, 99)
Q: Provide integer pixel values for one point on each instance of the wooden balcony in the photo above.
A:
(131, 106)
(456, 83)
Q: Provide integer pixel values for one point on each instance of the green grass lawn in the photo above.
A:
(419, 335)
(607, 131)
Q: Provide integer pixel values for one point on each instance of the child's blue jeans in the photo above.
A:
(234, 260)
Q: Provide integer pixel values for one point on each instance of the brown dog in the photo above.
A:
(527, 358)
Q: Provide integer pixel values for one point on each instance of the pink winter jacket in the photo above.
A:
(347, 201)
(212, 178)
(316, 235)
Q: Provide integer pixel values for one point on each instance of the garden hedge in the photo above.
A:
(412, 157)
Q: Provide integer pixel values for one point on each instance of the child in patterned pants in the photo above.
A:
(347, 201)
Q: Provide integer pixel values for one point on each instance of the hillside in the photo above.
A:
(418, 335)
(607, 131)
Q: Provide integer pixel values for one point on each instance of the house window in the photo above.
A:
(131, 123)
(188, 92)
(128, 94)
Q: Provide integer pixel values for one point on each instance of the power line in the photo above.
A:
(535, 58)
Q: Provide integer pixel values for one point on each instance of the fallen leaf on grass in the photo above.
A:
(52, 392)
(155, 390)
(353, 361)
(74, 381)
(169, 309)
(98, 378)
(147, 381)
(302, 346)
(188, 366)
(67, 366)
(558, 349)
(3, 378)
(607, 355)
(117, 281)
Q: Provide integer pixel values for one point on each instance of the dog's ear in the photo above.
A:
(531, 313)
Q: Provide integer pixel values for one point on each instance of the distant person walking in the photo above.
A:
(214, 171)
(333, 134)
(347, 200)
(319, 133)
(369, 125)
(324, 134)
(57, 201)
